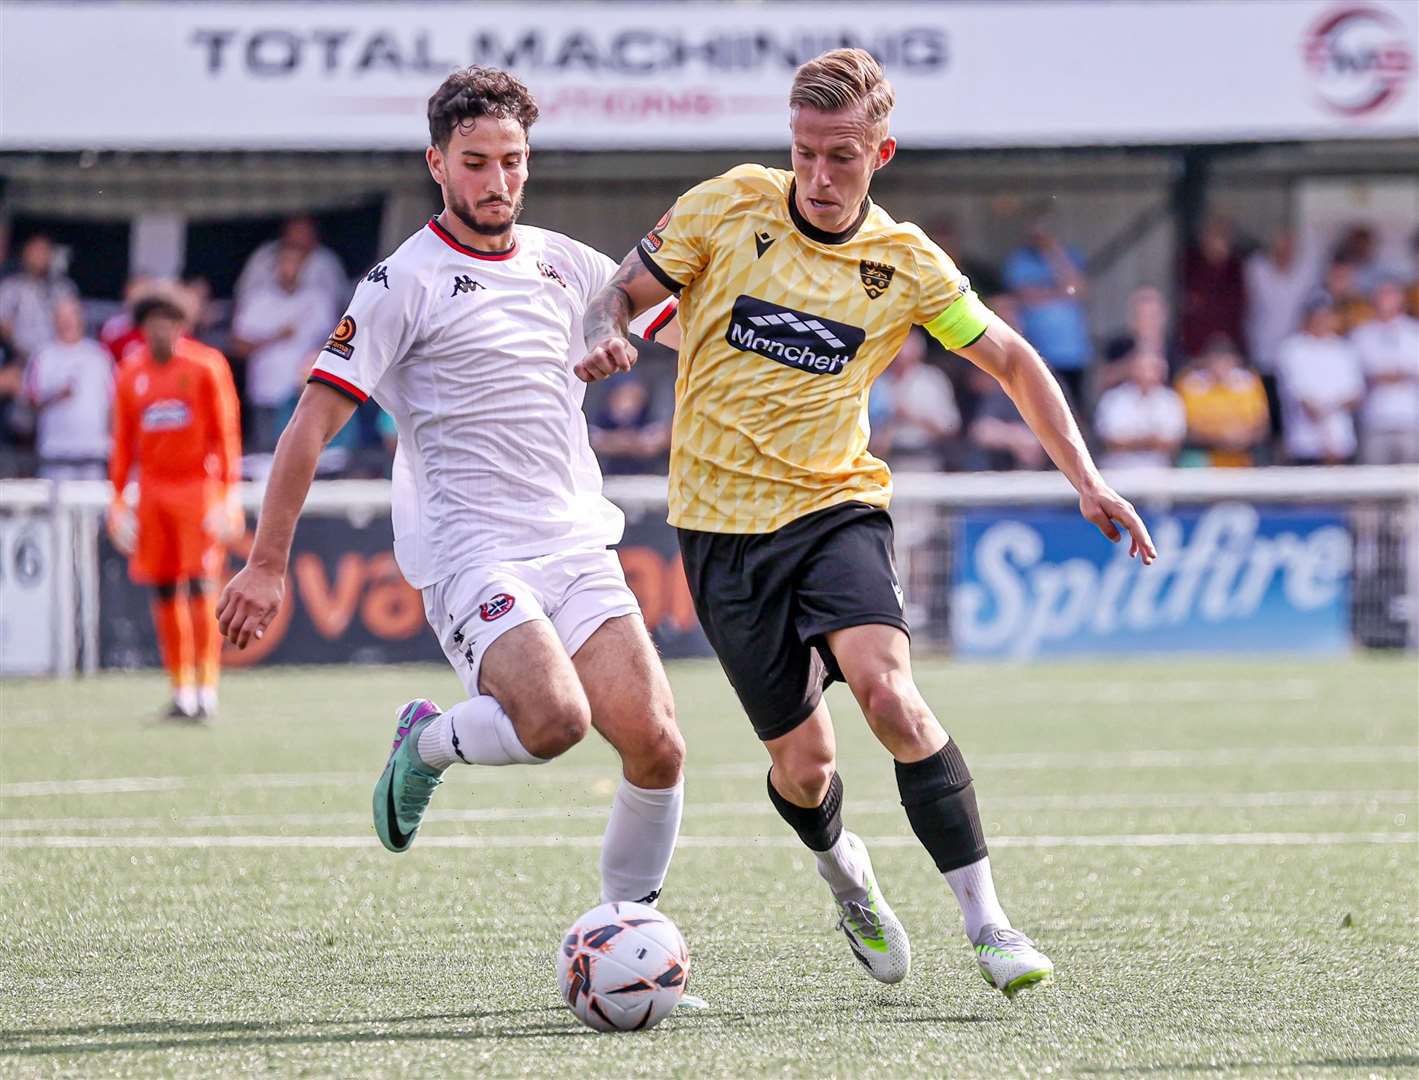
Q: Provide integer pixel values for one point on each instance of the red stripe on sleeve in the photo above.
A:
(662, 321)
(336, 383)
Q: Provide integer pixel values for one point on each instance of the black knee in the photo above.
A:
(940, 802)
(168, 590)
(817, 826)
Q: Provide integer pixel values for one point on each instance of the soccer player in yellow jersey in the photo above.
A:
(796, 291)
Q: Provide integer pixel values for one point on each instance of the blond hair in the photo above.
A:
(842, 79)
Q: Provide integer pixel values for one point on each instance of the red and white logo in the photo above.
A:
(1359, 58)
(496, 608)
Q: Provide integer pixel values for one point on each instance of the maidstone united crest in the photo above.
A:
(876, 277)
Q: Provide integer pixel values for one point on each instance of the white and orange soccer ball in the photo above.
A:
(623, 967)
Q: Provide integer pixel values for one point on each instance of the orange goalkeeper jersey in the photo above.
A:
(177, 421)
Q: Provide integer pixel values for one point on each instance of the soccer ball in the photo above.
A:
(622, 967)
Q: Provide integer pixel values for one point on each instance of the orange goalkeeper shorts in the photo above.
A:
(173, 544)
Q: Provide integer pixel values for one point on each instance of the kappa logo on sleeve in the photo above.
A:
(340, 341)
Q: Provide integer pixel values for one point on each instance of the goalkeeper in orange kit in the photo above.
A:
(176, 420)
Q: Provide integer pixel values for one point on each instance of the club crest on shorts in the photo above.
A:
(496, 608)
(876, 277)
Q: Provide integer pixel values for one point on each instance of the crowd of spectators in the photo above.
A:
(1276, 355)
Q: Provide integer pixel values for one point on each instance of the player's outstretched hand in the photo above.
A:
(1104, 507)
(248, 604)
(605, 359)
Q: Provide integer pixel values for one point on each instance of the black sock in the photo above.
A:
(817, 826)
(941, 806)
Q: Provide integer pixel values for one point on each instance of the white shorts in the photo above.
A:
(576, 591)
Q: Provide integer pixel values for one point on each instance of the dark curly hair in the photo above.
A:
(478, 91)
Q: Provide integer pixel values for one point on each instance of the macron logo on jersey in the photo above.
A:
(811, 343)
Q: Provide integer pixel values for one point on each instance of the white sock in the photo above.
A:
(186, 698)
(207, 697)
(640, 838)
(975, 892)
(476, 732)
(844, 867)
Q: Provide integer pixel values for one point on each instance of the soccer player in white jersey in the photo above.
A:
(467, 336)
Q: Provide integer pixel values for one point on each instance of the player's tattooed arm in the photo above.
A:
(606, 324)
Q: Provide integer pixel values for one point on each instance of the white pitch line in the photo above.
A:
(1130, 759)
(1172, 693)
(760, 808)
(1124, 840)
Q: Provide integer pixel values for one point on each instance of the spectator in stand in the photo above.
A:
(998, 439)
(1278, 280)
(27, 299)
(321, 269)
(1213, 287)
(118, 334)
(12, 435)
(1412, 293)
(69, 385)
(1352, 305)
(984, 278)
(921, 414)
(1389, 356)
(1148, 331)
(1048, 279)
(206, 314)
(278, 328)
(1321, 384)
(629, 433)
(1359, 247)
(1225, 405)
(1141, 422)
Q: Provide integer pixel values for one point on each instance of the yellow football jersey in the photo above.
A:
(783, 329)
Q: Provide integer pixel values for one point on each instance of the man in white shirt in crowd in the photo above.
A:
(279, 327)
(1321, 385)
(921, 412)
(69, 385)
(1278, 277)
(1389, 356)
(27, 299)
(1142, 421)
(467, 336)
(321, 269)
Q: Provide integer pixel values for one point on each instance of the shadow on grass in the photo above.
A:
(530, 1023)
(231, 1034)
(204, 1027)
(1395, 1061)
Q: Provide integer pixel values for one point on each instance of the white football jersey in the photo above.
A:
(472, 356)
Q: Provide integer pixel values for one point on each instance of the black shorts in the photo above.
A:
(766, 602)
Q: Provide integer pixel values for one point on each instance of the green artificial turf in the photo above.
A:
(1220, 856)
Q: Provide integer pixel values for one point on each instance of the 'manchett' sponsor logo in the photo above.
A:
(796, 339)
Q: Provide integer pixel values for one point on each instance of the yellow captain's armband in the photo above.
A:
(962, 323)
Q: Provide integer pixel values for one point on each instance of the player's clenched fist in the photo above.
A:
(605, 359)
(248, 604)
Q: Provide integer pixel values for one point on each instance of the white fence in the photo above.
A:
(50, 552)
